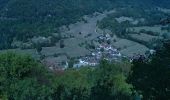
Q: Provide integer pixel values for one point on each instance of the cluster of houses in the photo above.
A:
(104, 37)
(107, 52)
(103, 51)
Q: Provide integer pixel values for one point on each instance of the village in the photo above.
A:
(103, 51)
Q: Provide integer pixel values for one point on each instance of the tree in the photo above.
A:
(71, 63)
(62, 45)
(152, 78)
(110, 83)
(23, 78)
(38, 47)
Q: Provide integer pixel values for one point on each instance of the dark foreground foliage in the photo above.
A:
(23, 78)
(152, 78)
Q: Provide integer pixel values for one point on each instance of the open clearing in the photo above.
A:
(130, 19)
(130, 48)
(156, 28)
(144, 37)
(123, 43)
(133, 50)
(70, 51)
(31, 52)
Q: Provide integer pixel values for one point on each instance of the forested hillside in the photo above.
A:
(23, 19)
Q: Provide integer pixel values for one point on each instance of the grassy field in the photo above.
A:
(123, 44)
(148, 28)
(72, 48)
(144, 37)
(130, 19)
(133, 50)
(129, 48)
(31, 52)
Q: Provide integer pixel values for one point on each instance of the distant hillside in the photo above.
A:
(23, 19)
(47, 11)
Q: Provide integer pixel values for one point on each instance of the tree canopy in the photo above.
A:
(23, 78)
(152, 77)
